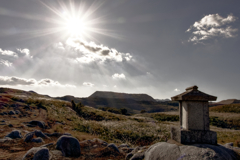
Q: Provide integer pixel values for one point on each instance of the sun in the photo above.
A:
(75, 27)
(76, 20)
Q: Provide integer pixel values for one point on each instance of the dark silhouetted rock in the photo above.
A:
(10, 125)
(39, 133)
(69, 146)
(37, 153)
(38, 123)
(113, 146)
(17, 112)
(37, 140)
(14, 134)
(28, 137)
(11, 113)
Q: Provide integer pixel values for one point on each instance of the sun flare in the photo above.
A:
(75, 27)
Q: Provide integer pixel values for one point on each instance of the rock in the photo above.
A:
(28, 137)
(14, 134)
(17, 112)
(38, 123)
(37, 153)
(14, 117)
(5, 139)
(165, 151)
(1, 114)
(39, 133)
(10, 125)
(126, 149)
(37, 140)
(2, 121)
(11, 113)
(69, 146)
(5, 113)
(123, 145)
(113, 146)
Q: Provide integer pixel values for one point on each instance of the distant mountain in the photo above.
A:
(115, 95)
(134, 103)
(224, 102)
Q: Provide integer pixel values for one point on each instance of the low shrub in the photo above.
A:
(165, 117)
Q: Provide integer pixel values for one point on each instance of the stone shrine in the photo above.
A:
(194, 118)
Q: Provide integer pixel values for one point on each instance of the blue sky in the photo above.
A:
(158, 47)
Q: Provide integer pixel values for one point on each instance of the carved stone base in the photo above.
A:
(193, 136)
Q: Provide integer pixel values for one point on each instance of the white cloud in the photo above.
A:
(5, 62)
(8, 53)
(212, 25)
(24, 52)
(91, 52)
(5, 80)
(88, 84)
(118, 76)
(176, 90)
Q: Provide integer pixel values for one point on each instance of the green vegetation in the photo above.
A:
(225, 123)
(165, 117)
(231, 108)
(122, 111)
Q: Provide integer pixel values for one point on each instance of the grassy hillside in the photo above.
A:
(229, 108)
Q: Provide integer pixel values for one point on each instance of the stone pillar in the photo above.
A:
(194, 118)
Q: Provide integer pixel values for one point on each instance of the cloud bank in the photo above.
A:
(91, 52)
(14, 81)
(210, 26)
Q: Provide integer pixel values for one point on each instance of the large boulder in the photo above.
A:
(37, 153)
(14, 134)
(165, 151)
(69, 146)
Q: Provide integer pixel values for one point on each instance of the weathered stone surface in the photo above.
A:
(193, 136)
(57, 134)
(37, 153)
(166, 151)
(113, 146)
(37, 140)
(69, 146)
(14, 134)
